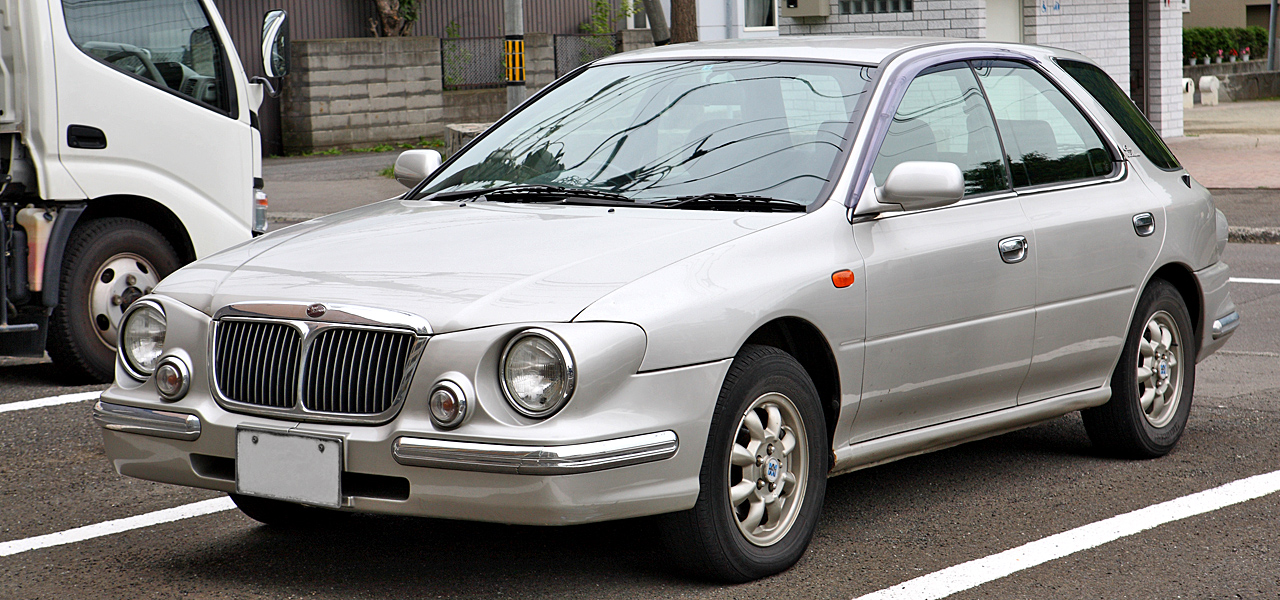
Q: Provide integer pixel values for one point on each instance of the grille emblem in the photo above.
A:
(315, 311)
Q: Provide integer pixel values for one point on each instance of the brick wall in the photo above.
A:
(942, 18)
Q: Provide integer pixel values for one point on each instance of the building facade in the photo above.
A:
(1138, 42)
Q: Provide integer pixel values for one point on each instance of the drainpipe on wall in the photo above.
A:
(728, 19)
(1271, 32)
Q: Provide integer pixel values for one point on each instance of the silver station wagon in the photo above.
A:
(696, 281)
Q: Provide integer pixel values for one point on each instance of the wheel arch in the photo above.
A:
(804, 342)
(1183, 279)
(147, 211)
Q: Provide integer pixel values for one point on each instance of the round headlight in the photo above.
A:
(142, 337)
(537, 373)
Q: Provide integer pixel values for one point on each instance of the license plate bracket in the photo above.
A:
(295, 467)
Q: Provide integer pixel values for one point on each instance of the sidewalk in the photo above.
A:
(1232, 149)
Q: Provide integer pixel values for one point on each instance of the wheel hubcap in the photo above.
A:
(768, 469)
(120, 281)
(1160, 369)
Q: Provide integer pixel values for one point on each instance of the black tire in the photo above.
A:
(709, 539)
(1123, 427)
(80, 346)
(284, 515)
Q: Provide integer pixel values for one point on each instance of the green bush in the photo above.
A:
(1198, 42)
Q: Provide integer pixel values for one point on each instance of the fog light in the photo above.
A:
(173, 378)
(448, 405)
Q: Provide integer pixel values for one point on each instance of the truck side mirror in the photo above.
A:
(275, 43)
(412, 166)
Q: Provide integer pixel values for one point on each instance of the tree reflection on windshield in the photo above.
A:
(663, 129)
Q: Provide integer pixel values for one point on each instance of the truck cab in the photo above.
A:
(129, 146)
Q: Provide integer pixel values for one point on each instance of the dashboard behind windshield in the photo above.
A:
(659, 130)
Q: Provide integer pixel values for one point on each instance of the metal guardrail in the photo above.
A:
(472, 62)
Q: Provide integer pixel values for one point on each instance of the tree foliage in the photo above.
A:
(395, 18)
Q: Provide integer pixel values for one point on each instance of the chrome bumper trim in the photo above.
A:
(145, 421)
(536, 460)
(1226, 325)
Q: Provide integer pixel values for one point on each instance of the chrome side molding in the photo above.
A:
(1226, 325)
(145, 421)
(536, 460)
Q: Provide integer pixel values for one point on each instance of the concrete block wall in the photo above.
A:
(346, 93)
(361, 92)
(940, 18)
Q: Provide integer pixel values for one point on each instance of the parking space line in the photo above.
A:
(51, 401)
(105, 528)
(974, 573)
(1254, 280)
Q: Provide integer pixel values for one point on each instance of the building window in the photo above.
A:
(760, 13)
(866, 7)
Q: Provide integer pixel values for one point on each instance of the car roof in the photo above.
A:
(862, 49)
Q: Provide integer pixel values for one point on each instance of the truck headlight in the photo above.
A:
(142, 338)
(537, 373)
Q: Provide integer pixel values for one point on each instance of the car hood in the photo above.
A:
(459, 266)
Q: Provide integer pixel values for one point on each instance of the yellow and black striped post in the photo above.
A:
(514, 59)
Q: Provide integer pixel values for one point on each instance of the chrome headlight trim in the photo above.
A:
(459, 396)
(566, 361)
(137, 371)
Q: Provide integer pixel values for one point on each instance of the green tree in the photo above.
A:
(395, 18)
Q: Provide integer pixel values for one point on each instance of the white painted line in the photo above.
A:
(89, 532)
(51, 401)
(974, 573)
(1254, 280)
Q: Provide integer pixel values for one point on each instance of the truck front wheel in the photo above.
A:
(109, 263)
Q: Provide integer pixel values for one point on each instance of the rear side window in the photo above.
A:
(167, 42)
(1118, 105)
(1045, 136)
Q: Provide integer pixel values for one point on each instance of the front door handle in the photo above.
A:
(1014, 249)
(86, 137)
(1144, 224)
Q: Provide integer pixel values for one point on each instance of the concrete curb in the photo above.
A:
(1254, 235)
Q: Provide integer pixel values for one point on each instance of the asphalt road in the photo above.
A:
(880, 526)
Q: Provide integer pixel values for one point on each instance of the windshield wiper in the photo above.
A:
(733, 202)
(536, 193)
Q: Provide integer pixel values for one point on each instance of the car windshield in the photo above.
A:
(654, 131)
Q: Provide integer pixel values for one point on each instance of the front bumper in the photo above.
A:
(637, 453)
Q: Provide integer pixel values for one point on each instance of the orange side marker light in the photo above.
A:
(842, 279)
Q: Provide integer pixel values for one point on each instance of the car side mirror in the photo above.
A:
(275, 43)
(916, 185)
(412, 166)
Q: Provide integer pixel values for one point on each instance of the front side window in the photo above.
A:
(654, 131)
(943, 117)
(1046, 137)
(169, 43)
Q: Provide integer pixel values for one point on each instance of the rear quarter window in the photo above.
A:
(1099, 85)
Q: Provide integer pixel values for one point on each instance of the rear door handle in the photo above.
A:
(1144, 224)
(86, 137)
(1013, 249)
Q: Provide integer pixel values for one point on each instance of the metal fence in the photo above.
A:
(472, 62)
(576, 49)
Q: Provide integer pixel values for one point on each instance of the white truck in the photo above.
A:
(129, 146)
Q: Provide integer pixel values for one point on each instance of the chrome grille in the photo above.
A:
(257, 362)
(355, 371)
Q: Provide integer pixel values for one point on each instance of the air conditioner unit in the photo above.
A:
(804, 8)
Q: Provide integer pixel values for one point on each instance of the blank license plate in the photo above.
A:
(298, 468)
